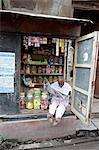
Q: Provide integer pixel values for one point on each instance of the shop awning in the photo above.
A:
(29, 23)
(43, 16)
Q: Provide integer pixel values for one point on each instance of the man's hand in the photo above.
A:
(46, 80)
(55, 93)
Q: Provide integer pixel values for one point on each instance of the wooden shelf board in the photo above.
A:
(41, 74)
(43, 64)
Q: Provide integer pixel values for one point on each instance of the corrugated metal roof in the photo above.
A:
(47, 16)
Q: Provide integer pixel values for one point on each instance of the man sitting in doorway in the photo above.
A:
(60, 91)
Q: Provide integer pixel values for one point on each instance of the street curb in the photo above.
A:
(55, 144)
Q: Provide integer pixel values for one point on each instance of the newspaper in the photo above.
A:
(55, 92)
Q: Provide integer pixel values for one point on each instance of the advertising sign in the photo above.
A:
(7, 70)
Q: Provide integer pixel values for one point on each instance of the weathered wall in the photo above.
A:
(49, 7)
(86, 5)
(9, 102)
(0, 4)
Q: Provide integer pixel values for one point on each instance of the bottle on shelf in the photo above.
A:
(40, 79)
(27, 69)
(50, 79)
(22, 100)
(56, 70)
(39, 69)
(37, 98)
(44, 100)
(34, 79)
(60, 60)
(29, 103)
(43, 70)
(34, 70)
(52, 69)
(55, 78)
(60, 69)
(51, 60)
(48, 69)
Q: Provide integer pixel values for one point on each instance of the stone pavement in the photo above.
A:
(41, 129)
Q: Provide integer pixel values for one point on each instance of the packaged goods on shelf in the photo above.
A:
(44, 40)
(39, 69)
(33, 69)
(44, 104)
(37, 91)
(51, 60)
(24, 58)
(55, 60)
(62, 45)
(52, 69)
(29, 103)
(22, 100)
(27, 81)
(56, 69)
(57, 47)
(25, 42)
(27, 69)
(29, 58)
(37, 98)
(40, 79)
(43, 70)
(30, 41)
(48, 69)
(60, 69)
(55, 78)
(41, 58)
(50, 79)
(34, 79)
(60, 60)
(37, 103)
(44, 100)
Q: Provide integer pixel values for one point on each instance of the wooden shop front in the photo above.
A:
(43, 47)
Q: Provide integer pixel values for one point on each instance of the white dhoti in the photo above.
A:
(58, 106)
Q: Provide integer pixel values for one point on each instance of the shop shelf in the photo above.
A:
(43, 64)
(41, 74)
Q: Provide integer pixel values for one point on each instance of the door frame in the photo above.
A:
(92, 66)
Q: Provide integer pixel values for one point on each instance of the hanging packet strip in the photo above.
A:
(25, 41)
(57, 47)
(30, 41)
(40, 40)
(44, 40)
(54, 40)
(37, 43)
(62, 45)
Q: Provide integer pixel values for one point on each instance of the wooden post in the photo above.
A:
(65, 54)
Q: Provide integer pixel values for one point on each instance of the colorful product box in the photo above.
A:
(37, 103)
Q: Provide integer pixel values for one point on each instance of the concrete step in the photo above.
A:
(37, 129)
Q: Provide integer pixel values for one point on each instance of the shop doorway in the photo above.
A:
(42, 57)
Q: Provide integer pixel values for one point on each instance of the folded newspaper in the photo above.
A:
(55, 91)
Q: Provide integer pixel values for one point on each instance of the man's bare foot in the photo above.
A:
(56, 122)
(50, 118)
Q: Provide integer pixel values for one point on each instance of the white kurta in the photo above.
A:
(59, 103)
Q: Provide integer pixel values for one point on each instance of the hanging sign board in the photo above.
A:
(7, 70)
